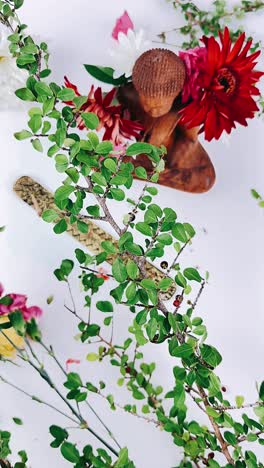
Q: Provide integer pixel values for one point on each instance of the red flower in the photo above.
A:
(102, 274)
(123, 24)
(227, 83)
(117, 129)
(71, 361)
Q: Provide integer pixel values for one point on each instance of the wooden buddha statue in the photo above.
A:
(154, 98)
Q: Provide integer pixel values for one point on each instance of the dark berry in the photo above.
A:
(164, 265)
(178, 300)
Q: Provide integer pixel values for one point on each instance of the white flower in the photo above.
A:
(126, 51)
(11, 77)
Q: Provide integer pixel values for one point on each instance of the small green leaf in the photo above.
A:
(25, 94)
(210, 355)
(138, 148)
(164, 284)
(122, 460)
(183, 351)
(230, 438)
(132, 269)
(178, 231)
(43, 89)
(119, 270)
(61, 162)
(239, 401)
(66, 94)
(63, 192)
(131, 291)
(60, 227)
(105, 74)
(108, 246)
(144, 228)
(152, 328)
(37, 145)
(105, 147)
(90, 120)
(104, 306)
(98, 178)
(92, 357)
(70, 452)
(117, 194)
(192, 274)
(18, 421)
(261, 391)
(212, 412)
(50, 216)
(23, 135)
(141, 172)
(82, 227)
(110, 164)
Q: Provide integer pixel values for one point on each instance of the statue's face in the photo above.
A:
(156, 106)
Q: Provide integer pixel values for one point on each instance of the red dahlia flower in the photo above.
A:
(117, 129)
(227, 83)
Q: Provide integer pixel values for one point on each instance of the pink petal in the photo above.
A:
(1, 289)
(31, 312)
(123, 24)
(19, 301)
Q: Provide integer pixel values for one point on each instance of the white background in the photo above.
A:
(231, 248)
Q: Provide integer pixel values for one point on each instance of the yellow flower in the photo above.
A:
(6, 348)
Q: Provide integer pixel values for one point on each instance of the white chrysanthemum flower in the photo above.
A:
(11, 77)
(126, 51)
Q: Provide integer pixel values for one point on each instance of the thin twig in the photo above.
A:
(38, 400)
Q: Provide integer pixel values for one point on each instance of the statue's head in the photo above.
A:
(158, 76)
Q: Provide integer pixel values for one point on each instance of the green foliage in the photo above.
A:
(94, 180)
(105, 74)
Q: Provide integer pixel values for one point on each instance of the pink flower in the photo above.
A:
(123, 24)
(72, 361)
(31, 312)
(195, 61)
(19, 302)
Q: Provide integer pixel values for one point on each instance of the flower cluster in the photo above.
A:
(128, 46)
(220, 79)
(14, 302)
(116, 127)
